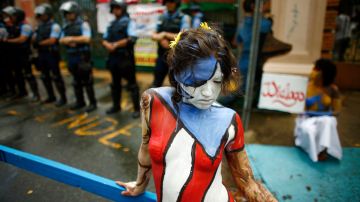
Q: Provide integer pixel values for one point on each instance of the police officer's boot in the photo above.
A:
(49, 89)
(34, 89)
(135, 97)
(116, 97)
(61, 89)
(79, 94)
(91, 95)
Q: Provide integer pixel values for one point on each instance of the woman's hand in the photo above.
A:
(131, 188)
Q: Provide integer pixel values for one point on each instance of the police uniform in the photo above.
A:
(79, 62)
(19, 58)
(121, 62)
(49, 58)
(168, 22)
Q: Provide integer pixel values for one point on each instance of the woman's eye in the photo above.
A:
(218, 82)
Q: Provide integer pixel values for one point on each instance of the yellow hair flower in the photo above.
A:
(204, 25)
(177, 39)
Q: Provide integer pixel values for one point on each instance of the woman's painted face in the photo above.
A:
(205, 95)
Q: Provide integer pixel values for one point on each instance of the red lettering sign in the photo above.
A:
(283, 95)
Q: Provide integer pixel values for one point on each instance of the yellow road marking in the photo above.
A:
(76, 121)
(122, 131)
(12, 112)
(89, 130)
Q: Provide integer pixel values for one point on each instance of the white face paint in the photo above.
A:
(205, 95)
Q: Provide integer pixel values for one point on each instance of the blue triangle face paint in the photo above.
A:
(197, 74)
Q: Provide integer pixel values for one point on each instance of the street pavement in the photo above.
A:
(104, 145)
(107, 145)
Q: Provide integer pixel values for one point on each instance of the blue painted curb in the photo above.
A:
(71, 176)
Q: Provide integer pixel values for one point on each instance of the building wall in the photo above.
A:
(300, 23)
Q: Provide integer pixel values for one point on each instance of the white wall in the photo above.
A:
(300, 23)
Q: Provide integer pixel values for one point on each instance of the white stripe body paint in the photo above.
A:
(217, 191)
(231, 131)
(178, 165)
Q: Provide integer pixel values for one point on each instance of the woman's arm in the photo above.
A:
(144, 162)
(244, 178)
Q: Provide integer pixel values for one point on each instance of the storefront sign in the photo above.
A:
(283, 92)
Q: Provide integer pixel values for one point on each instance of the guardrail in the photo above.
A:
(71, 176)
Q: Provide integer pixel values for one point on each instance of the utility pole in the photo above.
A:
(249, 92)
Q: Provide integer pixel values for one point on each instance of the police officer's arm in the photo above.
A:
(132, 36)
(144, 162)
(107, 45)
(185, 25)
(48, 41)
(85, 38)
(105, 41)
(25, 34)
(20, 39)
(244, 178)
(157, 36)
(54, 35)
(170, 36)
(75, 39)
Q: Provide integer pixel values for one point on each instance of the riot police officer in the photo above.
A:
(46, 41)
(169, 24)
(18, 46)
(76, 36)
(119, 40)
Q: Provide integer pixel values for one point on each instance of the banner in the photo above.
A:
(145, 17)
(283, 92)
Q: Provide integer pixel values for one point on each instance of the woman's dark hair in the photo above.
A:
(195, 44)
(328, 70)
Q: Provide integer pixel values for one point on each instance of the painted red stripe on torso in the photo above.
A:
(203, 174)
(162, 125)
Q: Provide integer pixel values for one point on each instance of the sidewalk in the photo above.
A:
(292, 176)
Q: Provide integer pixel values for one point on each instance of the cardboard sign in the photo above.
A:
(283, 92)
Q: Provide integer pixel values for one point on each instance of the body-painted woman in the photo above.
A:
(186, 132)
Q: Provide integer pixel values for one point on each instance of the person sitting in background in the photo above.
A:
(315, 131)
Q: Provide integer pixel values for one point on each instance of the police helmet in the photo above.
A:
(18, 13)
(44, 9)
(118, 3)
(9, 10)
(70, 7)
